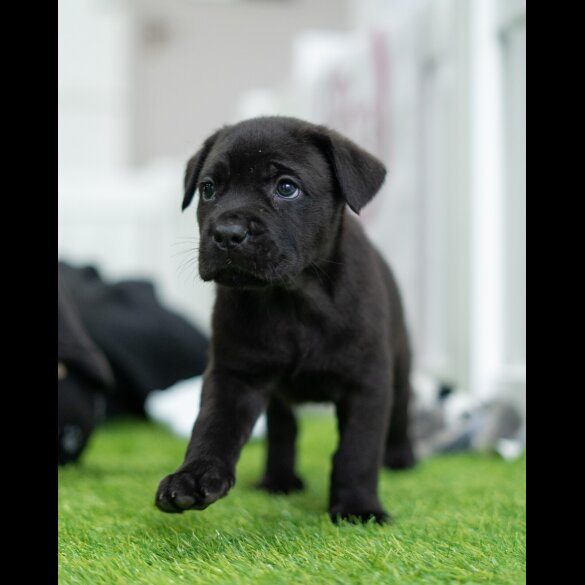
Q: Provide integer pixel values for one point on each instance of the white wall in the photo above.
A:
(498, 320)
(193, 59)
(93, 84)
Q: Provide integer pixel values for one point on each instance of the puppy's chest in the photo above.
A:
(295, 341)
(310, 333)
(317, 347)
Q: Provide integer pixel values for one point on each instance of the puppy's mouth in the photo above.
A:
(236, 278)
(241, 272)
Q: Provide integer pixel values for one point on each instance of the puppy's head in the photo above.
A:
(271, 194)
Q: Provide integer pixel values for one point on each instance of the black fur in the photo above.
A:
(306, 310)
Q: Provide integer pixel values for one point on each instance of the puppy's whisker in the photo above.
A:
(331, 262)
(314, 269)
(183, 252)
(185, 264)
(318, 268)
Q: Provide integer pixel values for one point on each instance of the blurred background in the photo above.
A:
(435, 88)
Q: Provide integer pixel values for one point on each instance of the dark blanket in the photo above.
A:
(148, 346)
(84, 376)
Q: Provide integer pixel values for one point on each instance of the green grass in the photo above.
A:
(458, 519)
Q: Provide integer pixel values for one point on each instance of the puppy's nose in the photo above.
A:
(229, 235)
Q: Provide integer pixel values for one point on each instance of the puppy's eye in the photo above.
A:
(287, 189)
(207, 190)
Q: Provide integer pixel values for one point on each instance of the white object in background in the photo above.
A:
(509, 449)
(178, 406)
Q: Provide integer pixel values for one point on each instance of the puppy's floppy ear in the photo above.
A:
(194, 167)
(358, 173)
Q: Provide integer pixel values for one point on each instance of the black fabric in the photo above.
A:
(84, 375)
(81, 408)
(74, 346)
(147, 346)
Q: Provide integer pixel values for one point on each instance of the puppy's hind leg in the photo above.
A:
(399, 452)
(280, 474)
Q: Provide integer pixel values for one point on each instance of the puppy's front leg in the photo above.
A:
(229, 409)
(362, 419)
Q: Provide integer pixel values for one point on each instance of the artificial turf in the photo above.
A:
(458, 519)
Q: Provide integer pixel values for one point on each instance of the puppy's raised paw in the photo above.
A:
(281, 484)
(194, 487)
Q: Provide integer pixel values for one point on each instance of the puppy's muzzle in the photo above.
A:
(228, 235)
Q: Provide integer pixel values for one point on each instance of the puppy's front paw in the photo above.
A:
(281, 485)
(194, 486)
(359, 516)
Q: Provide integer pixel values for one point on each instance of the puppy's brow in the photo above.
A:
(278, 167)
(218, 168)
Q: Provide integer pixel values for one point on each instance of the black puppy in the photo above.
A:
(306, 310)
